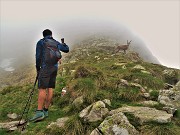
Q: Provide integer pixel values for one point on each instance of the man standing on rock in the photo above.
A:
(47, 56)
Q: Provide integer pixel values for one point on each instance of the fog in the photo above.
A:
(22, 22)
(19, 42)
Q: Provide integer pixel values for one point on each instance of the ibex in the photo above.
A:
(123, 47)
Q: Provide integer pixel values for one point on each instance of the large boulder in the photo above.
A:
(171, 76)
(94, 112)
(145, 114)
(170, 97)
(117, 124)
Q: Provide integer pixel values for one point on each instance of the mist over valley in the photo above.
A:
(18, 43)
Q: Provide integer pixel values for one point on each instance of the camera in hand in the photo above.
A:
(62, 40)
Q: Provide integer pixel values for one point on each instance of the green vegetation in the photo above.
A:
(94, 78)
(160, 129)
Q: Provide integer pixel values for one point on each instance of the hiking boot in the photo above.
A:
(45, 113)
(39, 115)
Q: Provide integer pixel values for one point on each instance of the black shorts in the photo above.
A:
(47, 77)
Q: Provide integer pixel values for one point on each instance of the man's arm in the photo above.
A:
(63, 47)
(38, 55)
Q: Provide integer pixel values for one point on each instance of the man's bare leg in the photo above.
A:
(48, 97)
(41, 98)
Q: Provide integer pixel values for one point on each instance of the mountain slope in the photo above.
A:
(93, 72)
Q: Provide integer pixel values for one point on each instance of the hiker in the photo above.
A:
(47, 66)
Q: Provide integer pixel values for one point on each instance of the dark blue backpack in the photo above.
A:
(52, 54)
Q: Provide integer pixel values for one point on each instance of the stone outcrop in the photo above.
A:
(94, 112)
(145, 114)
(170, 97)
(171, 76)
(116, 124)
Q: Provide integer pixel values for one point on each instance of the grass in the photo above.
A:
(94, 80)
(15, 100)
(153, 128)
(145, 80)
(131, 94)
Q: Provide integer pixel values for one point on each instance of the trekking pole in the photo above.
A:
(27, 106)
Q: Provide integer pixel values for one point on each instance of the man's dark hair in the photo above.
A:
(47, 32)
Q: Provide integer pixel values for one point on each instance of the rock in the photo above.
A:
(167, 86)
(119, 131)
(113, 55)
(59, 122)
(117, 124)
(78, 102)
(124, 82)
(169, 73)
(171, 76)
(72, 71)
(169, 110)
(164, 100)
(149, 103)
(96, 57)
(177, 87)
(136, 80)
(139, 86)
(145, 114)
(95, 132)
(12, 116)
(120, 64)
(170, 97)
(106, 58)
(94, 112)
(146, 95)
(107, 101)
(11, 125)
(146, 72)
(124, 67)
(139, 67)
(13, 128)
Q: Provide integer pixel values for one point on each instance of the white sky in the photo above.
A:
(156, 22)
